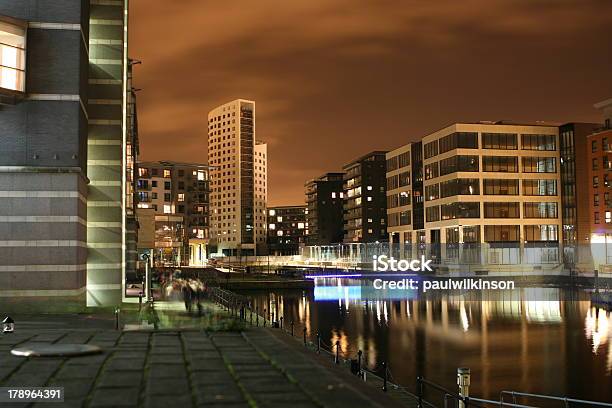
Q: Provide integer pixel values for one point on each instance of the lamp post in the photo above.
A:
(8, 325)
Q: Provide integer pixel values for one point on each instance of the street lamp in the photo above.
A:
(8, 325)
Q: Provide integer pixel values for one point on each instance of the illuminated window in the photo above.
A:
(279, 233)
(272, 226)
(300, 225)
(166, 173)
(369, 198)
(333, 194)
(201, 175)
(608, 217)
(167, 209)
(181, 197)
(279, 219)
(272, 213)
(12, 56)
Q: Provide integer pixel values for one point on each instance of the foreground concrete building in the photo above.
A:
(64, 136)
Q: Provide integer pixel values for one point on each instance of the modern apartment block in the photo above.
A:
(324, 202)
(63, 130)
(483, 183)
(287, 227)
(238, 180)
(365, 199)
(178, 195)
(599, 161)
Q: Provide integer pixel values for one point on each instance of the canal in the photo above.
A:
(538, 340)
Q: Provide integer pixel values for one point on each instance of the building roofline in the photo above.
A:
(365, 156)
(276, 207)
(171, 163)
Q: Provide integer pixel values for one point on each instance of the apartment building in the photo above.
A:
(287, 227)
(64, 130)
(365, 199)
(238, 180)
(324, 202)
(599, 160)
(483, 183)
(178, 196)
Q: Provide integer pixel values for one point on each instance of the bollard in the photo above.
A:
(463, 381)
(304, 336)
(292, 328)
(318, 343)
(139, 300)
(281, 322)
(116, 318)
(359, 353)
(337, 357)
(384, 365)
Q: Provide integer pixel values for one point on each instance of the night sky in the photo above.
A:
(335, 79)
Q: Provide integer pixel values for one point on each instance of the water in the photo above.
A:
(539, 340)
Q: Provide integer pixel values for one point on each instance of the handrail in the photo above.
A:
(501, 403)
(554, 398)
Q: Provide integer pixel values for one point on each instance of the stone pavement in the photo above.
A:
(254, 368)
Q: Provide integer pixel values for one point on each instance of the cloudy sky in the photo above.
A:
(334, 79)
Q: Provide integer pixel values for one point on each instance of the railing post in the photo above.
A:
(337, 358)
(117, 318)
(359, 353)
(446, 398)
(420, 392)
(251, 314)
(463, 381)
(264, 317)
(384, 365)
(318, 343)
(257, 316)
(304, 336)
(292, 328)
(281, 322)
(139, 300)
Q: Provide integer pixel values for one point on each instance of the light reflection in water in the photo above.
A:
(522, 340)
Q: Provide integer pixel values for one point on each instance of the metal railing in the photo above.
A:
(567, 401)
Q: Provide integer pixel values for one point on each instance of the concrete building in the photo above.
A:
(178, 193)
(365, 198)
(495, 184)
(64, 129)
(238, 180)
(287, 227)
(324, 202)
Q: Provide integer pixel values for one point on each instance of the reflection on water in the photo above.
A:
(541, 340)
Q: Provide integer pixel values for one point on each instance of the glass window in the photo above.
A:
(392, 163)
(404, 159)
(12, 56)
(471, 234)
(460, 210)
(500, 186)
(460, 186)
(540, 210)
(501, 233)
(539, 165)
(432, 192)
(538, 233)
(404, 179)
(432, 214)
(501, 210)
(539, 142)
(594, 146)
(459, 140)
(459, 163)
(431, 149)
(431, 171)
(540, 187)
(504, 141)
(405, 217)
(505, 164)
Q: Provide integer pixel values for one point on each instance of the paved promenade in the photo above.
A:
(257, 367)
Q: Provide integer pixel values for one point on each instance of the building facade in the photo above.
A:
(238, 179)
(178, 194)
(365, 199)
(495, 185)
(324, 202)
(287, 227)
(64, 130)
(599, 161)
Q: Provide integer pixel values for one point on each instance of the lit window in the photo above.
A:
(608, 217)
(272, 213)
(279, 219)
(369, 188)
(181, 197)
(341, 195)
(167, 209)
(201, 175)
(369, 198)
(300, 225)
(279, 233)
(333, 194)
(272, 226)
(166, 173)
(12, 56)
